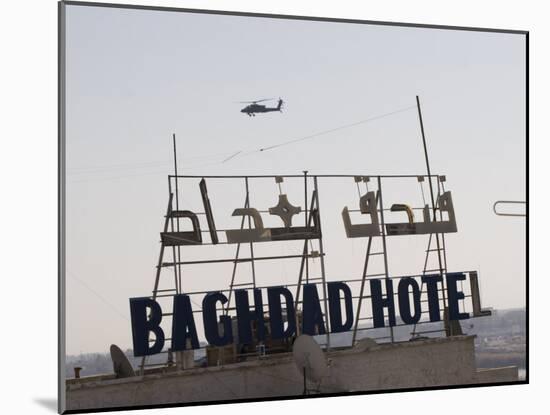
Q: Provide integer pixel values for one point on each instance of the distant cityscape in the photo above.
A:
(500, 341)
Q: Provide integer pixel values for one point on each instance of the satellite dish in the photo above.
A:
(309, 358)
(121, 365)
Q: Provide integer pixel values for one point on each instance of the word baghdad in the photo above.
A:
(146, 313)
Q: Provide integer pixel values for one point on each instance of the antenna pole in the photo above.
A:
(432, 200)
(178, 286)
(176, 168)
(306, 223)
(425, 149)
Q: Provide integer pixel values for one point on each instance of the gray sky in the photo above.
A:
(134, 77)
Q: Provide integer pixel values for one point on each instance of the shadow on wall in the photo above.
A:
(48, 403)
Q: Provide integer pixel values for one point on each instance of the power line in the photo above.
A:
(335, 129)
(307, 137)
(124, 166)
(73, 276)
(320, 133)
(232, 156)
(98, 295)
(124, 176)
(135, 165)
(109, 178)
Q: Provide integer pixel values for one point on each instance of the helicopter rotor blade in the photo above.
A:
(254, 102)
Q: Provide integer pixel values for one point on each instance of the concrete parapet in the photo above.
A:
(413, 364)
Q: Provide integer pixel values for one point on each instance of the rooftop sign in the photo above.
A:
(326, 307)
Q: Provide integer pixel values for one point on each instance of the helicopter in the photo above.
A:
(254, 107)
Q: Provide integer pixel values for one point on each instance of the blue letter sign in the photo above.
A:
(141, 327)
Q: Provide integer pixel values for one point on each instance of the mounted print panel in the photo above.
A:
(261, 207)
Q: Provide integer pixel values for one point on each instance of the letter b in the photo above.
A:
(141, 326)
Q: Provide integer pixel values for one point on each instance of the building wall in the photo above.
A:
(500, 374)
(443, 361)
(434, 362)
